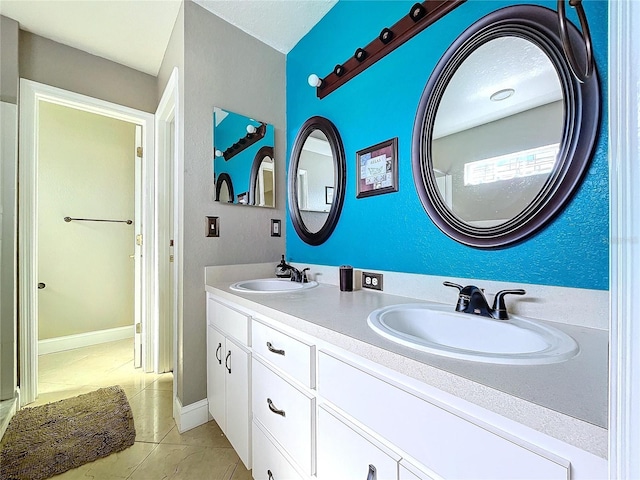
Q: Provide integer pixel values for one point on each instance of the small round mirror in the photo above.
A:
(316, 180)
(504, 132)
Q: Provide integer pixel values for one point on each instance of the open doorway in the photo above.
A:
(112, 287)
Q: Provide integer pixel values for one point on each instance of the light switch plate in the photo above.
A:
(275, 227)
(212, 227)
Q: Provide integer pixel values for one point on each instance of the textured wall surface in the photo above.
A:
(392, 231)
(52, 63)
(227, 68)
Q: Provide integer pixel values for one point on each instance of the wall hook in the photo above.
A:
(566, 42)
(419, 17)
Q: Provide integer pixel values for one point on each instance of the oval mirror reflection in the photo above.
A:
(316, 180)
(504, 132)
(497, 131)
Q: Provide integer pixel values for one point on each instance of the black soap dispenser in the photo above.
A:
(282, 269)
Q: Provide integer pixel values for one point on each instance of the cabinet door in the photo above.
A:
(237, 361)
(269, 463)
(216, 376)
(346, 451)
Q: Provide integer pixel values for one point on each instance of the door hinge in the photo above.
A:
(138, 328)
(138, 152)
(139, 239)
(170, 258)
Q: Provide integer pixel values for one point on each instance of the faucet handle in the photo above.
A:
(451, 284)
(305, 278)
(463, 300)
(499, 307)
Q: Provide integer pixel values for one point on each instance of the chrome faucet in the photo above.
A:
(471, 299)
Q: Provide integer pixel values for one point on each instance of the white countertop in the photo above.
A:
(565, 400)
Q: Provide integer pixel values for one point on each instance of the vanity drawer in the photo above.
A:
(346, 451)
(292, 356)
(230, 321)
(451, 446)
(286, 412)
(268, 462)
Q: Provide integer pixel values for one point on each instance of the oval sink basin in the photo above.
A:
(271, 285)
(440, 330)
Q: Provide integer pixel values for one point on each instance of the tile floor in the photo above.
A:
(160, 451)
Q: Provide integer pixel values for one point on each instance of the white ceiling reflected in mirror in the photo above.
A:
(504, 132)
(244, 161)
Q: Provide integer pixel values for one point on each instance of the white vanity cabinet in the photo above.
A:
(321, 412)
(440, 438)
(229, 374)
(282, 401)
(346, 451)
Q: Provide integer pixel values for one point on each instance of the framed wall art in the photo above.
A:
(377, 169)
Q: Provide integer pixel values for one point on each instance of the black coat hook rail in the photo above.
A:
(69, 219)
(419, 17)
(245, 142)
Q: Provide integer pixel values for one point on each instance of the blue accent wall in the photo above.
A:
(392, 231)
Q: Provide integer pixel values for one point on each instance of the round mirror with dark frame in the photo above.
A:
(224, 189)
(317, 179)
(261, 180)
(504, 132)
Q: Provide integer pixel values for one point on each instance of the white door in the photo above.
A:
(137, 251)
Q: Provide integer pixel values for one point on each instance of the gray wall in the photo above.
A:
(45, 61)
(8, 60)
(227, 68)
(8, 205)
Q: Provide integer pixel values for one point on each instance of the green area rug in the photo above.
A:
(44, 441)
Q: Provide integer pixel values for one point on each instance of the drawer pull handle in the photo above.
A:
(273, 408)
(227, 362)
(269, 475)
(372, 473)
(274, 350)
(218, 351)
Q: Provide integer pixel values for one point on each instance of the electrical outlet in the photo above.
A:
(372, 281)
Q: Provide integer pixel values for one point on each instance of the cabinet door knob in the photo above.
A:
(274, 350)
(273, 408)
(227, 362)
(218, 351)
(372, 473)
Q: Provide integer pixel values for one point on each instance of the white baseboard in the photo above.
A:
(69, 342)
(8, 408)
(191, 416)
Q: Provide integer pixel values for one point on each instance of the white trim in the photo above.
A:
(164, 326)
(624, 176)
(191, 416)
(8, 409)
(31, 93)
(69, 342)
